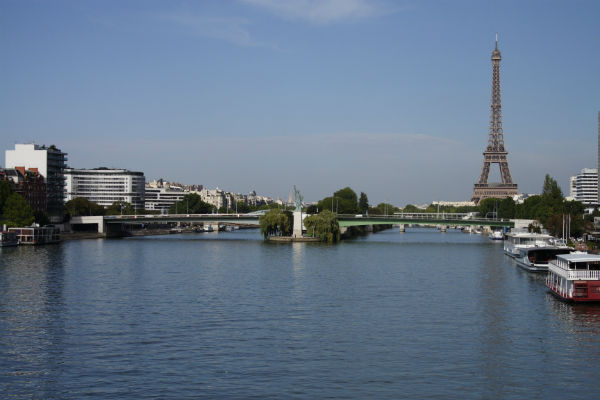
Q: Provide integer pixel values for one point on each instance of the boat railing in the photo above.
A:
(573, 274)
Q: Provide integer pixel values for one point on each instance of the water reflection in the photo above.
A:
(495, 331)
(32, 318)
(298, 258)
(575, 318)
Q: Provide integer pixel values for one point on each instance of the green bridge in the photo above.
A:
(444, 219)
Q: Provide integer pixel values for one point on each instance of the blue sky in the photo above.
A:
(387, 97)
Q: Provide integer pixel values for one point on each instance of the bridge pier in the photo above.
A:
(443, 228)
(402, 228)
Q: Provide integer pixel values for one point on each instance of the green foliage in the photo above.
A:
(363, 203)
(17, 211)
(312, 209)
(411, 209)
(81, 206)
(534, 228)
(120, 207)
(243, 208)
(488, 208)
(383, 209)
(506, 208)
(346, 201)
(191, 203)
(532, 208)
(324, 226)
(5, 192)
(276, 223)
(552, 196)
(550, 207)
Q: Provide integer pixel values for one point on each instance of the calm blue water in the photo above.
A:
(390, 315)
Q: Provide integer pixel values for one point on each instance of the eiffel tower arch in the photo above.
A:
(495, 152)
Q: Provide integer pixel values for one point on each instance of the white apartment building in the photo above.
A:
(162, 198)
(584, 186)
(50, 163)
(218, 198)
(105, 186)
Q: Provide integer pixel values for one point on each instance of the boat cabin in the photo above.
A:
(575, 277)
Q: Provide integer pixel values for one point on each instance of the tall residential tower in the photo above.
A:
(50, 162)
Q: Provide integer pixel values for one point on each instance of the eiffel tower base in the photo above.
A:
(499, 191)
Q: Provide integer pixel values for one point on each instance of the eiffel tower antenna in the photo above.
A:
(495, 152)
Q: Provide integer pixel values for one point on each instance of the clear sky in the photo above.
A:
(387, 97)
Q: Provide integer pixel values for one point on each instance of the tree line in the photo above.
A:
(549, 208)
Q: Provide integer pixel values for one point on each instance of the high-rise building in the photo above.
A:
(584, 186)
(495, 152)
(50, 163)
(106, 186)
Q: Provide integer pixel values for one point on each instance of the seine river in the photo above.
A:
(390, 315)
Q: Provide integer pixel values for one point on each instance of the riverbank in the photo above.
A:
(290, 239)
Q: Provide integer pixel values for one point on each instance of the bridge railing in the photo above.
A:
(425, 216)
(159, 216)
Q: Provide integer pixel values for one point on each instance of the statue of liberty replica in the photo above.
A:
(297, 229)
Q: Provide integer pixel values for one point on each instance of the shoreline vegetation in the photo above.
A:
(549, 209)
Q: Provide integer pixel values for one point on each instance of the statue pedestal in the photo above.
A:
(297, 230)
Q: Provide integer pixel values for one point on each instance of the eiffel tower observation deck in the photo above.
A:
(495, 152)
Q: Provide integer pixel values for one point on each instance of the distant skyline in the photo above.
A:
(390, 97)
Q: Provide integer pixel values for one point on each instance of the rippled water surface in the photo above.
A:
(390, 315)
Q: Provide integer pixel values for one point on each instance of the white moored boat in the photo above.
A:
(536, 259)
(575, 277)
(496, 235)
(515, 241)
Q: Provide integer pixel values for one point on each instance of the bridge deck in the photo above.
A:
(224, 218)
(456, 219)
(423, 219)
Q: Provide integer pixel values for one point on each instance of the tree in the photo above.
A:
(324, 225)
(488, 208)
(346, 201)
(409, 208)
(506, 208)
(191, 203)
(242, 207)
(551, 192)
(276, 223)
(531, 208)
(382, 209)
(363, 203)
(5, 192)
(81, 206)
(120, 208)
(17, 211)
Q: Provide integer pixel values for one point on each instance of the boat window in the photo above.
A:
(580, 265)
(594, 265)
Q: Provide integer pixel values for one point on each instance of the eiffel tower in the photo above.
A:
(495, 152)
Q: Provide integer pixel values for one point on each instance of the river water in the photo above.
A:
(390, 315)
